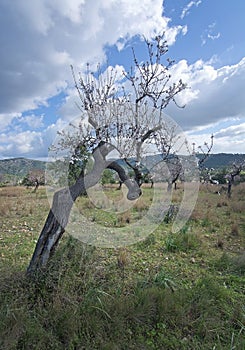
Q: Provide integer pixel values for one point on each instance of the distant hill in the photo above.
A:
(222, 160)
(20, 167)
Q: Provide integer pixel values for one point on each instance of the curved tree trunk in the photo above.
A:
(53, 229)
(63, 201)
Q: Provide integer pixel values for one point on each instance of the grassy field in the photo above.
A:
(182, 290)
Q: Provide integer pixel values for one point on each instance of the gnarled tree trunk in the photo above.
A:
(63, 201)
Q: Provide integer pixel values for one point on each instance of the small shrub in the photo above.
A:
(220, 243)
(171, 244)
(5, 208)
(224, 263)
(181, 242)
(124, 218)
(222, 204)
(88, 205)
(230, 264)
(122, 258)
(238, 206)
(239, 264)
(234, 230)
(141, 205)
(164, 280)
(205, 222)
(171, 213)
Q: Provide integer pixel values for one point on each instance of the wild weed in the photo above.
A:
(181, 242)
(234, 230)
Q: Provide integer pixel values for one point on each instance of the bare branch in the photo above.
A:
(205, 151)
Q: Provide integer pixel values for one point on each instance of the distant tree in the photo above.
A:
(203, 151)
(34, 178)
(176, 172)
(2, 180)
(123, 114)
(219, 174)
(108, 177)
(77, 163)
(234, 175)
(175, 163)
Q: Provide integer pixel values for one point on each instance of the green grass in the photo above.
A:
(171, 291)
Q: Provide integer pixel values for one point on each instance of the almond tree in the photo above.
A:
(34, 178)
(204, 151)
(119, 113)
(176, 172)
(175, 163)
(233, 176)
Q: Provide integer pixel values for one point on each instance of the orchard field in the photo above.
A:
(183, 290)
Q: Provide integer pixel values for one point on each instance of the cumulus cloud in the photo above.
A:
(26, 143)
(6, 119)
(228, 143)
(30, 144)
(33, 121)
(232, 131)
(44, 37)
(213, 94)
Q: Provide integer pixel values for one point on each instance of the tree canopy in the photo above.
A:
(122, 117)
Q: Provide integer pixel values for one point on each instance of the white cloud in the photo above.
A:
(43, 38)
(215, 95)
(214, 37)
(229, 144)
(6, 119)
(30, 144)
(194, 76)
(186, 9)
(210, 33)
(184, 30)
(172, 33)
(232, 131)
(33, 121)
(26, 143)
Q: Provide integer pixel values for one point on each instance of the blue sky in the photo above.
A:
(40, 39)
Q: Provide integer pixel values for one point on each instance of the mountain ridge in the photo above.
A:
(20, 166)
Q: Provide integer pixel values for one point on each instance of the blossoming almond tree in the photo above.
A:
(122, 113)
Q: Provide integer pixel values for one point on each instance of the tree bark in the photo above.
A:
(63, 201)
(229, 189)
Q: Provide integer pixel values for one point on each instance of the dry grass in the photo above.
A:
(11, 191)
(222, 203)
(5, 207)
(234, 230)
(95, 298)
(124, 218)
(141, 204)
(238, 206)
(122, 258)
